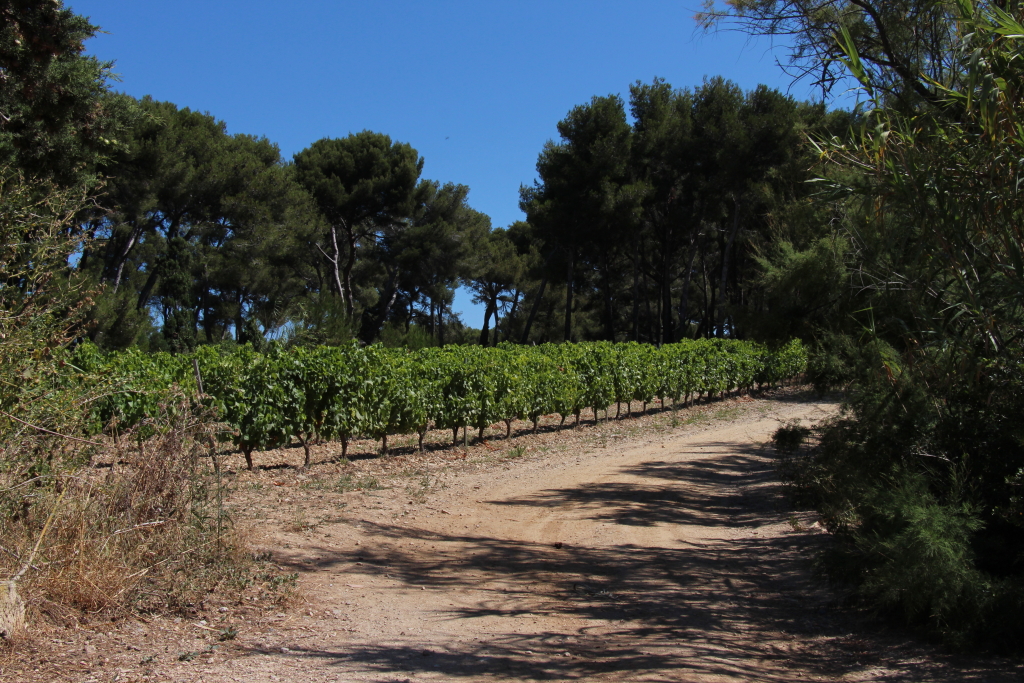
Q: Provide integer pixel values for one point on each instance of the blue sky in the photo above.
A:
(476, 87)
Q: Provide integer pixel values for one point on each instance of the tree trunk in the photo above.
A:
(122, 255)
(684, 299)
(440, 323)
(659, 327)
(239, 322)
(540, 297)
(390, 295)
(723, 282)
(707, 322)
(636, 291)
(304, 440)
(485, 333)
(349, 264)
(333, 259)
(567, 333)
(609, 306)
(147, 289)
(511, 315)
(667, 324)
(533, 311)
(647, 306)
(12, 610)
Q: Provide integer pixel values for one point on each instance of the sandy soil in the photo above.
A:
(650, 549)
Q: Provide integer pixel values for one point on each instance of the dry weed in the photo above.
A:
(142, 532)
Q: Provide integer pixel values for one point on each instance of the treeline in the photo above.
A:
(200, 236)
(651, 222)
(184, 234)
(647, 231)
(646, 223)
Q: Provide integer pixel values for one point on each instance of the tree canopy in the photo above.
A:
(59, 119)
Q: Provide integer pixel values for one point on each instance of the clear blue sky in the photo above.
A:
(475, 86)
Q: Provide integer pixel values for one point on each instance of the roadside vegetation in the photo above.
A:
(167, 289)
(920, 479)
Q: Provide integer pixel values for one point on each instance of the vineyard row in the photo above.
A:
(340, 393)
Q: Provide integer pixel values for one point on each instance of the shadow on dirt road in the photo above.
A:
(727, 594)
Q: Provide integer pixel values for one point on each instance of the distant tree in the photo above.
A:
(747, 142)
(655, 225)
(584, 198)
(663, 161)
(203, 225)
(438, 250)
(363, 185)
(496, 270)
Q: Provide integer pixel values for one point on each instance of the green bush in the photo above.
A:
(919, 482)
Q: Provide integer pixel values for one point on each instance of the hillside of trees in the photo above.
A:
(888, 239)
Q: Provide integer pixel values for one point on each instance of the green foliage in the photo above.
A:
(804, 290)
(567, 396)
(202, 228)
(348, 391)
(830, 366)
(788, 438)
(41, 310)
(901, 44)
(362, 185)
(919, 479)
(652, 230)
(60, 120)
(496, 271)
(246, 389)
(921, 556)
(415, 338)
(922, 493)
(322, 320)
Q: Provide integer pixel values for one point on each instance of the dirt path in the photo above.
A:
(669, 559)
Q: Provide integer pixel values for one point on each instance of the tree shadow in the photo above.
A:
(738, 607)
(710, 491)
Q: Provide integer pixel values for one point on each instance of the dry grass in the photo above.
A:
(142, 530)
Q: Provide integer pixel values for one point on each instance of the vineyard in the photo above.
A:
(340, 393)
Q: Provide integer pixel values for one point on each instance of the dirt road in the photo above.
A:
(668, 557)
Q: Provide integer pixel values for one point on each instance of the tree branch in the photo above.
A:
(48, 431)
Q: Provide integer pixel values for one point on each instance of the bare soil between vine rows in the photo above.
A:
(652, 548)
